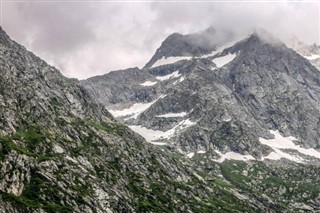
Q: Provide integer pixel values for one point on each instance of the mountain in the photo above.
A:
(248, 112)
(232, 100)
(61, 151)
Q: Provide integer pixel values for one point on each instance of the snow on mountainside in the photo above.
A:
(178, 47)
(223, 60)
(232, 94)
(169, 60)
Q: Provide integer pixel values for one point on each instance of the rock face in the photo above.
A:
(61, 151)
(222, 102)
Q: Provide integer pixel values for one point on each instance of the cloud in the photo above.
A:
(84, 39)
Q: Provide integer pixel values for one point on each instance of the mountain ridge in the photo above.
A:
(240, 52)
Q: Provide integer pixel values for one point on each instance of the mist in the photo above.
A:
(85, 39)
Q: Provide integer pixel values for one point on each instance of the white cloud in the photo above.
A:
(86, 39)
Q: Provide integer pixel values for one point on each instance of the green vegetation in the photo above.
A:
(31, 197)
(149, 193)
(31, 142)
(281, 184)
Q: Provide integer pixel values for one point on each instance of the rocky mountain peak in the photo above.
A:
(258, 38)
(266, 36)
(193, 45)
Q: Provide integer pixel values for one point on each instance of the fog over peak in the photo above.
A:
(86, 39)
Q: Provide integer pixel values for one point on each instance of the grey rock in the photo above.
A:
(62, 151)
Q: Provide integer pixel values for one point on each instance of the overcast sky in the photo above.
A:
(84, 39)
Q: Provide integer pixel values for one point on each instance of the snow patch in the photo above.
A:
(277, 154)
(223, 60)
(153, 135)
(312, 57)
(223, 47)
(148, 83)
(232, 156)
(201, 152)
(174, 74)
(159, 143)
(172, 115)
(150, 134)
(135, 110)
(279, 142)
(169, 60)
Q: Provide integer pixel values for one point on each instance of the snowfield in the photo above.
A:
(169, 60)
(154, 135)
(135, 110)
(279, 143)
(232, 156)
(312, 57)
(172, 115)
(148, 83)
(223, 60)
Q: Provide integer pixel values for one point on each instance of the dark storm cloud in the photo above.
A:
(85, 39)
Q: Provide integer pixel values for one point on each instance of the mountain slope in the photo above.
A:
(221, 102)
(247, 112)
(61, 151)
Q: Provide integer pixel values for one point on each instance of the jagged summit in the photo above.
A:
(207, 43)
(190, 45)
(266, 36)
